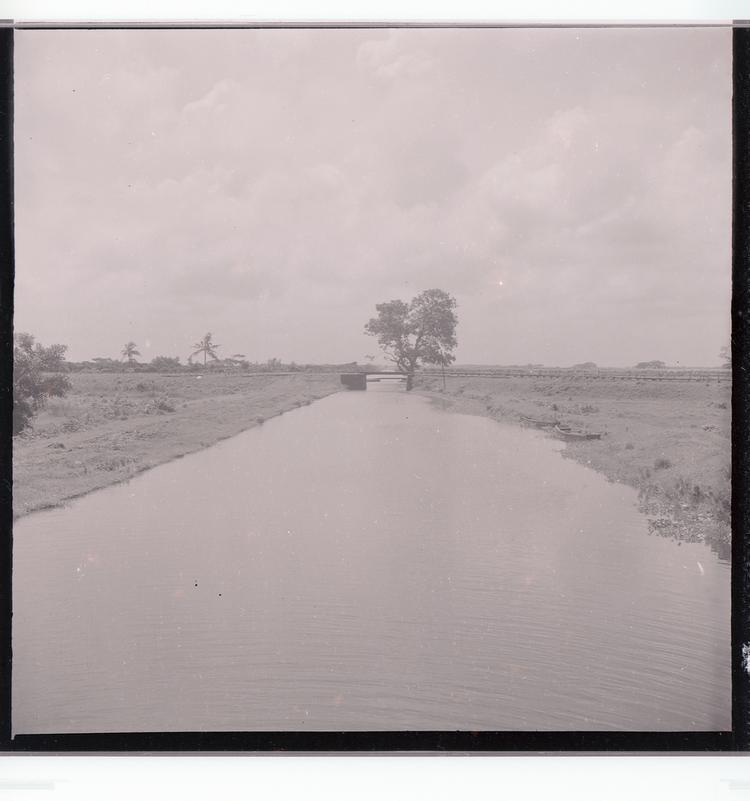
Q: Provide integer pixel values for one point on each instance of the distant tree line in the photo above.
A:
(206, 351)
(172, 364)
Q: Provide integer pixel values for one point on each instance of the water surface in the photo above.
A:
(369, 562)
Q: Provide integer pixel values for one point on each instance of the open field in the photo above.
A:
(111, 426)
(668, 439)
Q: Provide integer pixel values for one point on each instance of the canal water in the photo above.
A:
(369, 562)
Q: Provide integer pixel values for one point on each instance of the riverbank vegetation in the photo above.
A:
(110, 426)
(37, 376)
(668, 439)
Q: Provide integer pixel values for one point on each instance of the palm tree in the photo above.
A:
(129, 352)
(206, 347)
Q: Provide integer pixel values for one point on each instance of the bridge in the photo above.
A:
(705, 375)
(358, 381)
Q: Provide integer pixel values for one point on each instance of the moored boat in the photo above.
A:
(567, 433)
(530, 421)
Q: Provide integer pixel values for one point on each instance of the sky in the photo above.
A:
(571, 188)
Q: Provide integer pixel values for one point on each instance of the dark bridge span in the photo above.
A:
(359, 380)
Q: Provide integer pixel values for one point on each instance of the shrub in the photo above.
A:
(107, 365)
(160, 404)
(61, 408)
(662, 464)
(164, 405)
(36, 377)
(722, 505)
(166, 363)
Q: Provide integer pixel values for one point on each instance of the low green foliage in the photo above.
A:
(36, 377)
(165, 363)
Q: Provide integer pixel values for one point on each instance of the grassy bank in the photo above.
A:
(111, 426)
(668, 439)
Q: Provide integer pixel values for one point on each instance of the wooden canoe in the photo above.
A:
(530, 421)
(567, 433)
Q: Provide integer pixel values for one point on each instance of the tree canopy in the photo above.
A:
(420, 332)
(207, 347)
(35, 377)
(130, 351)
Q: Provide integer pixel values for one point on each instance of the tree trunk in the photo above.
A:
(409, 381)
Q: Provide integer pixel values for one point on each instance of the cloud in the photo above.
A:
(394, 57)
(241, 180)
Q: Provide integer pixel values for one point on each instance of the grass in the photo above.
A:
(668, 439)
(111, 426)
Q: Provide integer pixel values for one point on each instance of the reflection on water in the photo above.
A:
(369, 562)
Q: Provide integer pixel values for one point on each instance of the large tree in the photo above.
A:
(207, 347)
(420, 332)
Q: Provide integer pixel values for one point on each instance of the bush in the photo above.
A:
(164, 404)
(106, 364)
(36, 377)
(662, 464)
(166, 363)
(159, 405)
